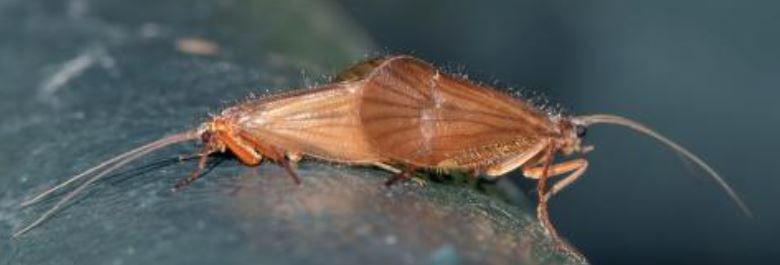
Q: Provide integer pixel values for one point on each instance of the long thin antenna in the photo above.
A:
(103, 169)
(85, 173)
(617, 120)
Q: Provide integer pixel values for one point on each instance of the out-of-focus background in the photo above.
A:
(706, 73)
(85, 79)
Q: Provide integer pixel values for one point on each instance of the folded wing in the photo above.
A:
(415, 114)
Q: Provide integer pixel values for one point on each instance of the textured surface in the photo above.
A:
(84, 80)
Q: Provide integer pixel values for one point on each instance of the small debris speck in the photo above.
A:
(197, 46)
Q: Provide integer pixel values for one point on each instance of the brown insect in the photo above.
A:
(398, 110)
(416, 115)
(321, 123)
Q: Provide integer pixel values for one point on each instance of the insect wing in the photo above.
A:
(323, 123)
(413, 113)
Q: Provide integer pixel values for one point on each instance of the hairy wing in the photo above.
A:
(413, 113)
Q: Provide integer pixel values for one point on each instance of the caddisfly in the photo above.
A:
(390, 112)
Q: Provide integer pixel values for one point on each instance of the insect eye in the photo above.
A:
(581, 131)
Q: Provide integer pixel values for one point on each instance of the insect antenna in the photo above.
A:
(636, 126)
(101, 170)
(81, 175)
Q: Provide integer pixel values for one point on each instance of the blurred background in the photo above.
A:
(705, 73)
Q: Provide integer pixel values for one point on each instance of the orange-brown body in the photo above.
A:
(396, 111)
(401, 110)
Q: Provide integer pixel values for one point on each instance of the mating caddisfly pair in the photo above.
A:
(400, 114)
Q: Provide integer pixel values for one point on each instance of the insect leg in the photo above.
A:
(294, 157)
(403, 175)
(387, 167)
(290, 171)
(398, 174)
(396, 177)
(576, 166)
(241, 150)
(546, 170)
(244, 151)
(271, 152)
(204, 154)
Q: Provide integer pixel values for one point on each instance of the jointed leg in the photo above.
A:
(388, 167)
(541, 209)
(244, 150)
(399, 174)
(290, 171)
(576, 166)
(402, 175)
(245, 153)
(294, 157)
(272, 153)
(195, 174)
